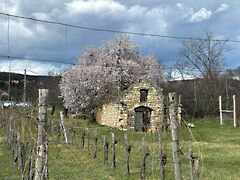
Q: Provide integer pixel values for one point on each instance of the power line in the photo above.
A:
(187, 68)
(114, 31)
(90, 28)
(9, 61)
(36, 59)
(75, 64)
(34, 72)
(61, 61)
(55, 61)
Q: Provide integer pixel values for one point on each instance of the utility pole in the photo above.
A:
(9, 61)
(226, 84)
(9, 84)
(24, 85)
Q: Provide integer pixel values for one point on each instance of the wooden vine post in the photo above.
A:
(128, 150)
(31, 165)
(83, 138)
(9, 132)
(41, 154)
(63, 127)
(175, 135)
(15, 146)
(95, 146)
(163, 161)
(145, 153)
(113, 152)
(73, 135)
(88, 140)
(22, 158)
(105, 149)
(162, 157)
(179, 110)
(191, 162)
(194, 165)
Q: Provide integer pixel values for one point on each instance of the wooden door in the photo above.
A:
(142, 118)
(138, 120)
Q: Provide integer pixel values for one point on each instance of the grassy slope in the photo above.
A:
(218, 148)
(7, 169)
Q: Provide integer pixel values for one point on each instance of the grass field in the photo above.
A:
(217, 147)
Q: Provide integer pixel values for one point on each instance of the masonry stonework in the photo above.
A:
(130, 112)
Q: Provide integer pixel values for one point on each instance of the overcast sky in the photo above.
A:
(31, 39)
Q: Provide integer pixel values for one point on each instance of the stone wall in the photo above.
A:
(108, 114)
(121, 113)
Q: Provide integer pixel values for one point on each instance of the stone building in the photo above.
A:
(140, 107)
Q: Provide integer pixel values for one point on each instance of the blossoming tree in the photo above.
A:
(101, 73)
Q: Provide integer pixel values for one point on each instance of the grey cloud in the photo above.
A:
(39, 40)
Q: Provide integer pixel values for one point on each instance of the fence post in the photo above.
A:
(22, 159)
(83, 138)
(162, 157)
(163, 161)
(144, 156)
(179, 109)
(196, 169)
(194, 165)
(63, 127)
(220, 110)
(88, 140)
(113, 152)
(73, 135)
(128, 150)
(41, 153)
(175, 135)
(30, 165)
(191, 162)
(234, 112)
(95, 146)
(46, 163)
(105, 149)
(16, 147)
(10, 132)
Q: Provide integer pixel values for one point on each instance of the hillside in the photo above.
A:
(184, 87)
(33, 84)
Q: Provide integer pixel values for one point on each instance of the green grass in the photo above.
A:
(8, 170)
(218, 149)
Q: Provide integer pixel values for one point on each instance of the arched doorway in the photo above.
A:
(142, 118)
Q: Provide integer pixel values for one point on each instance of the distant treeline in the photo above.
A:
(199, 97)
(33, 84)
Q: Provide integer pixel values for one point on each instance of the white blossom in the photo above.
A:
(100, 73)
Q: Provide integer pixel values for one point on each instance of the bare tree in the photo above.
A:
(205, 55)
(101, 73)
(203, 59)
(181, 67)
(234, 73)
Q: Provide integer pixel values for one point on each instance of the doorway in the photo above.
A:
(142, 118)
